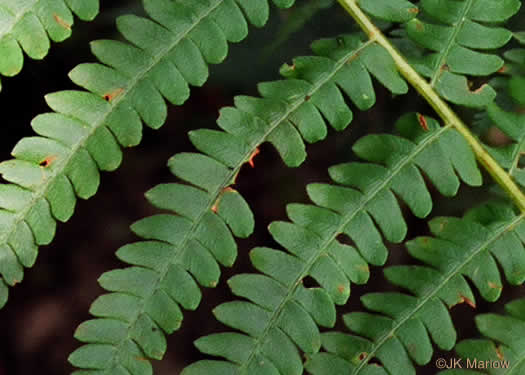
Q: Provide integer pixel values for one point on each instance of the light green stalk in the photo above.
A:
(440, 106)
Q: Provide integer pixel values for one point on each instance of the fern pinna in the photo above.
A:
(28, 26)
(366, 194)
(189, 244)
(502, 351)
(88, 129)
(403, 326)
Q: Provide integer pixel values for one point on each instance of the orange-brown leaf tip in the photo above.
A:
(494, 285)
(422, 121)
(61, 22)
(413, 10)
(253, 155)
(503, 69)
(480, 89)
(48, 161)
(113, 94)
(467, 300)
(499, 353)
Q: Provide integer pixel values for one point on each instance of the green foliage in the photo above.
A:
(196, 236)
(330, 243)
(454, 32)
(366, 194)
(87, 130)
(502, 350)
(28, 25)
(403, 325)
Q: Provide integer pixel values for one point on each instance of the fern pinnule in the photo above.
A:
(28, 26)
(85, 133)
(285, 310)
(187, 243)
(501, 351)
(454, 32)
(402, 326)
(506, 115)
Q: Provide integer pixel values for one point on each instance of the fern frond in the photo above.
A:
(403, 326)
(28, 26)
(502, 349)
(188, 244)
(282, 312)
(454, 32)
(84, 134)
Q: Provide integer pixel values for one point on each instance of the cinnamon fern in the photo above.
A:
(463, 58)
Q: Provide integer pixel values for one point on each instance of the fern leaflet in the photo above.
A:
(184, 246)
(503, 348)
(453, 31)
(401, 331)
(282, 312)
(85, 132)
(28, 25)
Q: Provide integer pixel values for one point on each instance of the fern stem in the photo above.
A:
(440, 106)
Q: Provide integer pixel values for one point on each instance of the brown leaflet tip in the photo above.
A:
(140, 358)
(499, 353)
(61, 22)
(413, 10)
(422, 121)
(113, 94)
(48, 161)
(215, 206)
(503, 69)
(253, 155)
(480, 89)
(229, 190)
(468, 301)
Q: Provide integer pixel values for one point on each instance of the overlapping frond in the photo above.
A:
(87, 129)
(401, 327)
(458, 36)
(183, 248)
(508, 115)
(502, 351)
(28, 25)
(281, 312)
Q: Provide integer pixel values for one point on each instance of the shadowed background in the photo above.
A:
(43, 311)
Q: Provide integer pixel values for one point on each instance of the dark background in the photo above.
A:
(43, 311)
